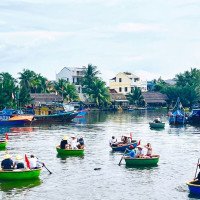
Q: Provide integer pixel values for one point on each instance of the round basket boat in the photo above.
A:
(69, 151)
(125, 146)
(156, 125)
(19, 174)
(193, 187)
(142, 161)
(3, 144)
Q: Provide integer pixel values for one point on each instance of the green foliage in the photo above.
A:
(66, 90)
(7, 89)
(95, 87)
(159, 84)
(136, 98)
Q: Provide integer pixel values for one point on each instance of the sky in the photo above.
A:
(150, 38)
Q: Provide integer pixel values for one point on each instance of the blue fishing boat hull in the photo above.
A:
(194, 188)
(123, 148)
(10, 123)
(82, 113)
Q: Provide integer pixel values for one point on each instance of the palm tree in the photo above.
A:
(136, 97)
(99, 93)
(90, 74)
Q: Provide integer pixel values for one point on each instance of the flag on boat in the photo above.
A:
(27, 161)
(6, 135)
(138, 143)
(131, 136)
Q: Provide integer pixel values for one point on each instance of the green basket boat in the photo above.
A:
(142, 161)
(20, 174)
(156, 125)
(3, 144)
(69, 152)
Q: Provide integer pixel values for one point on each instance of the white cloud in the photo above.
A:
(135, 27)
(133, 58)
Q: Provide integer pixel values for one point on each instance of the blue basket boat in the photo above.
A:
(194, 187)
(124, 147)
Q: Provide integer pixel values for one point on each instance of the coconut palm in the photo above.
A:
(136, 98)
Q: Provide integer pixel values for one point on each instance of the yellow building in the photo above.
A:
(125, 82)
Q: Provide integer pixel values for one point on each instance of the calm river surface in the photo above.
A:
(75, 178)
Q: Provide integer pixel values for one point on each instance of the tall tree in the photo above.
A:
(136, 98)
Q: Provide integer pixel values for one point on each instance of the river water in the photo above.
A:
(75, 178)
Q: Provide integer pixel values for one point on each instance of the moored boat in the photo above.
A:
(60, 117)
(69, 152)
(18, 174)
(123, 147)
(177, 117)
(194, 187)
(3, 144)
(142, 161)
(82, 113)
(194, 118)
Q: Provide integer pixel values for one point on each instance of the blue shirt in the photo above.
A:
(131, 153)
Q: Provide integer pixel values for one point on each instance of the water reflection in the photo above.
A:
(18, 186)
(65, 157)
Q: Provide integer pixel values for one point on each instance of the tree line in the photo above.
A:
(15, 92)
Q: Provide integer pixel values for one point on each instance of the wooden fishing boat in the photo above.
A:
(3, 144)
(18, 174)
(156, 125)
(142, 161)
(125, 146)
(82, 113)
(60, 117)
(193, 187)
(69, 152)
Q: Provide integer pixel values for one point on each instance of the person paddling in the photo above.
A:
(7, 163)
(131, 152)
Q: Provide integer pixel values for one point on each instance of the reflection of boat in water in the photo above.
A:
(7, 186)
(21, 129)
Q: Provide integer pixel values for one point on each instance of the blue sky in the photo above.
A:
(149, 38)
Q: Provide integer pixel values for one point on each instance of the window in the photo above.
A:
(73, 80)
(120, 89)
(126, 89)
(120, 79)
(68, 79)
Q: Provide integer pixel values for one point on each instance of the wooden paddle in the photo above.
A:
(47, 169)
(43, 165)
(196, 170)
(122, 157)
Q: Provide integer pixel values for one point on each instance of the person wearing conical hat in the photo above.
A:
(64, 142)
(7, 163)
(19, 162)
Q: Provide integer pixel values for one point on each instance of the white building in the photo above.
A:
(72, 75)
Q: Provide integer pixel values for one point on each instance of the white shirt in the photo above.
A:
(112, 141)
(33, 162)
(139, 152)
(73, 143)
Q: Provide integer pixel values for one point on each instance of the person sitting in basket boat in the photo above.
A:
(157, 120)
(131, 152)
(139, 152)
(149, 150)
(81, 143)
(73, 142)
(113, 142)
(34, 163)
(7, 163)
(64, 143)
(19, 163)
